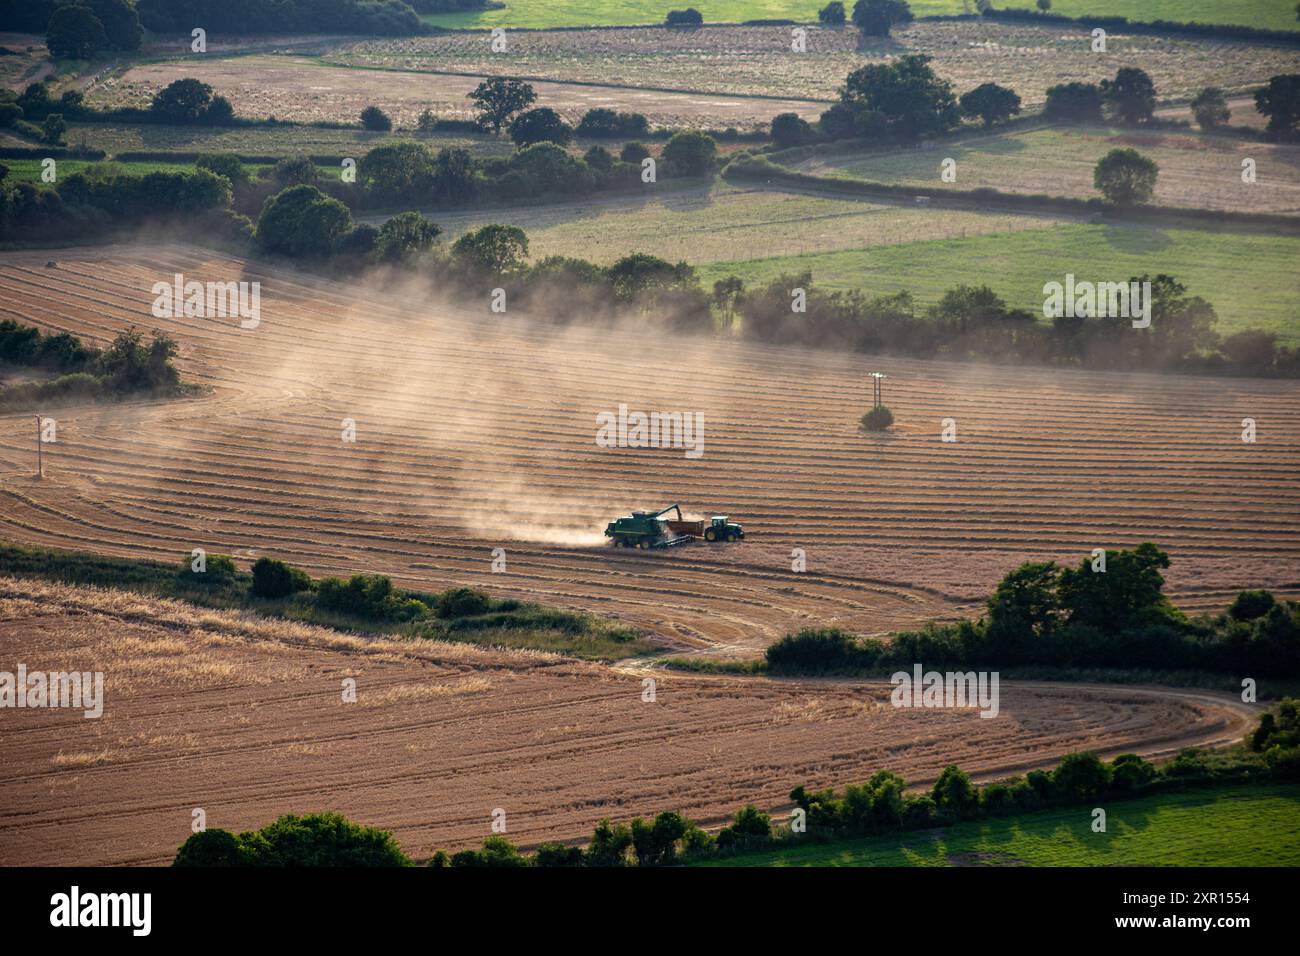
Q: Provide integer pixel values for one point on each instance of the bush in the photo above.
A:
(375, 120)
(790, 129)
(690, 153)
(814, 650)
(541, 125)
(462, 602)
(369, 596)
(1074, 102)
(215, 566)
(877, 419)
(275, 579)
(607, 123)
(1249, 605)
(1080, 777)
(690, 17)
(1210, 107)
(634, 152)
(832, 15)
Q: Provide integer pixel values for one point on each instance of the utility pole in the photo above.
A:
(878, 388)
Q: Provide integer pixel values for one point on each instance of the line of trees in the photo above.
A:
(879, 807)
(1044, 615)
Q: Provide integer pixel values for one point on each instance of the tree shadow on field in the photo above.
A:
(1136, 240)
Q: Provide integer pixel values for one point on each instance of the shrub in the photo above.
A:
(820, 649)
(634, 152)
(1080, 776)
(1074, 102)
(877, 419)
(991, 103)
(690, 153)
(1249, 605)
(607, 123)
(212, 847)
(368, 596)
(375, 119)
(878, 17)
(462, 602)
(1210, 107)
(275, 579)
(497, 851)
(557, 854)
(215, 566)
(790, 129)
(832, 15)
(541, 125)
(690, 17)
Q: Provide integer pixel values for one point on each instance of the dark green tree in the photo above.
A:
(500, 98)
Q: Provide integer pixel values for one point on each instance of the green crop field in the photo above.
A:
(1242, 826)
(1276, 14)
(1250, 278)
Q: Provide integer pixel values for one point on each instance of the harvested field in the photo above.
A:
(1196, 171)
(758, 60)
(245, 719)
(289, 87)
(477, 431)
(708, 224)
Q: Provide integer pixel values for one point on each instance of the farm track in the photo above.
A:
(477, 432)
(243, 718)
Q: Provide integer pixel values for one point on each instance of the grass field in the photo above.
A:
(1277, 14)
(703, 225)
(1241, 826)
(1243, 274)
(1195, 170)
(116, 138)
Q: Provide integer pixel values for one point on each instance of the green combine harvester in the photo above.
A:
(649, 529)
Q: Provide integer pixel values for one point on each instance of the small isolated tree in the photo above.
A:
(427, 122)
(542, 125)
(790, 129)
(877, 420)
(182, 101)
(832, 15)
(1125, 177)
(690, 152)
(875, 18)
(1211, 108)
(726, 293)
(991, 103)
(53, 128)
(301, 221)
(495, 249)
(1131, 96)
(500, 98)
(375, 120)
(75, 33)
(1044, 5)
(1279, 100)
(690, 18)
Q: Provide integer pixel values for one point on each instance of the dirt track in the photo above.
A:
(245, 719)
(477, 431)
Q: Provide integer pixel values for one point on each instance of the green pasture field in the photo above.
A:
(1239, 826)
(1249, 277)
